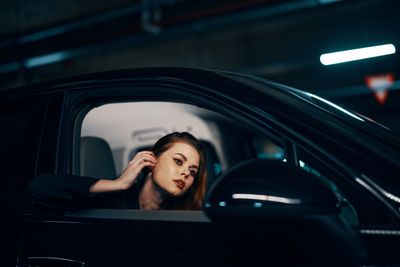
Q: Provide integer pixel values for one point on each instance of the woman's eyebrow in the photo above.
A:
(185, 158)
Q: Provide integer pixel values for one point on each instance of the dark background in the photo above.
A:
(278, 40)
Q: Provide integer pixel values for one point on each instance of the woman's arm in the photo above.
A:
(52, 191)
(128, 177)
(105, 186)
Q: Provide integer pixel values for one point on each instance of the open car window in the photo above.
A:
(112, 134)
(128, 128)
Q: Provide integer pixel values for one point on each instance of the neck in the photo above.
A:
(150, 196)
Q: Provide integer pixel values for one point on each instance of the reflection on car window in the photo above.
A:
(309, 169)
(266, 149)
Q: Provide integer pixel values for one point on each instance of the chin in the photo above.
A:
(173, 192)
(177, 193)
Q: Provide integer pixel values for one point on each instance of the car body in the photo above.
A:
(258, 131)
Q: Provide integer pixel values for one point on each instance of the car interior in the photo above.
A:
(112, 134)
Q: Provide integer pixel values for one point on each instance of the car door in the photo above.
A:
(22, 118)
(118, 238)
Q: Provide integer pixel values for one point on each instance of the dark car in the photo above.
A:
(293, 179)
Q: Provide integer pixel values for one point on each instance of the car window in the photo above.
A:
(128, 128)
(112, 134)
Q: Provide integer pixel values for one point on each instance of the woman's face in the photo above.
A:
(176, 169)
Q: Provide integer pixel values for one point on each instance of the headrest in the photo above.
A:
(96, 158)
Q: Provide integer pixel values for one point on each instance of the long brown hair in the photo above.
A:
(193, 198)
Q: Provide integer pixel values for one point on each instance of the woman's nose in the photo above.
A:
(185, 172)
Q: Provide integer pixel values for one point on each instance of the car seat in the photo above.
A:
(213, 162)
(96, 158)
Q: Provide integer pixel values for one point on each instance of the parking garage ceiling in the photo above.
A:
(279, 40)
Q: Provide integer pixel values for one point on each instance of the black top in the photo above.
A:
(71, 192)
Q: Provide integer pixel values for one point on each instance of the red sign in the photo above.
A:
(379, 85)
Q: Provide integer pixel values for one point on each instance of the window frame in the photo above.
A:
(79, 102)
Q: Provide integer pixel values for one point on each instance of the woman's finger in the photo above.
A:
(141, 158)
(145, 164)
(145, 153)
(142, 153)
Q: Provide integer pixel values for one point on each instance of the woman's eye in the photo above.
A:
(193, 173)
(178, 162)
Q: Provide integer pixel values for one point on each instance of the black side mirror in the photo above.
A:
(288, 203)
(269, 189)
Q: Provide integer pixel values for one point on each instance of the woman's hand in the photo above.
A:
(129, 175)
(135, 166)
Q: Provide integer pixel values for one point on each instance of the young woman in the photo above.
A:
(175, 178)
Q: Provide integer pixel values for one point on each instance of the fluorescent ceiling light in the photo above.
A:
(357, 54)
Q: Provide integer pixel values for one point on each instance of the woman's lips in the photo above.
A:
(180, 184)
